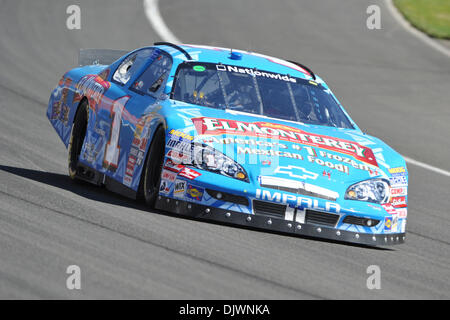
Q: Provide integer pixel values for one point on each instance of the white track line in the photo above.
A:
(419, 34)
(158, 24)
(427, 166)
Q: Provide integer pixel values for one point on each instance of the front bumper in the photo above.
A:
(210, 213)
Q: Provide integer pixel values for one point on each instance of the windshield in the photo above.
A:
(259, 92)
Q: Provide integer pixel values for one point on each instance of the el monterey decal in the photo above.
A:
(210, 126)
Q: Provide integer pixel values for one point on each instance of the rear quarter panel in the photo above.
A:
(65, 98)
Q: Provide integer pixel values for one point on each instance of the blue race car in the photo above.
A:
(230, 136)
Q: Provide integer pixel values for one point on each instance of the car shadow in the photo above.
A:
(92, 192)
(80, 188)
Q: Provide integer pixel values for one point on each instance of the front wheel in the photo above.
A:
(77, 137)
(153, 167)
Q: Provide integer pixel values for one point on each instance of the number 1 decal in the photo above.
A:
(112, 149)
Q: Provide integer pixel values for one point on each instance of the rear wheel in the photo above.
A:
(77, 137)
(153, 167)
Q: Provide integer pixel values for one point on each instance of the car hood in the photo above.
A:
(286, 150)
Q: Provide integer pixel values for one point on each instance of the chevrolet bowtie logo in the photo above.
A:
(297, 172)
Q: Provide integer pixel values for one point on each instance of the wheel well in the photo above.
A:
(78, 108)
(140, 193)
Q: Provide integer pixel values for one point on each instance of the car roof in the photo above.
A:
(247, 59)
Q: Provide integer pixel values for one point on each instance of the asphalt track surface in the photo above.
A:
(392, 84)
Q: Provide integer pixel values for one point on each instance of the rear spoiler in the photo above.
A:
(99, 56)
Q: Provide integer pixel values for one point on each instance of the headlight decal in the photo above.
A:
(372, 190)
(210, 159)
(204, 157)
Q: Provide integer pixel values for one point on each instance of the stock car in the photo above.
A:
(230, 136)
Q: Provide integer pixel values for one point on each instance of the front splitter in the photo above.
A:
(203, 212)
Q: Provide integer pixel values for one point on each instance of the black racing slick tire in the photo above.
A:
(77, 137)
(153, 167)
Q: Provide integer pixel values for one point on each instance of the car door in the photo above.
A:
(145, 93)
(119, 122)
(101, 148)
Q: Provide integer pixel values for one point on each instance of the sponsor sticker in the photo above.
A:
(179, 144)
(397, 170)
(168, 175)
(399, 202)
(177, 133)
(129, 170)
(194, 193)
(179, 157)
(388, 223)
(127, 180)
(140, 157)
(402, 213)
(255, 73)
(164, 187)
(401, 191)
(199, 68)
(189, 173)
(399, 174)
(398, 181)
(130, 165)
(172, 166)
(179, 188)
(394, 223)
